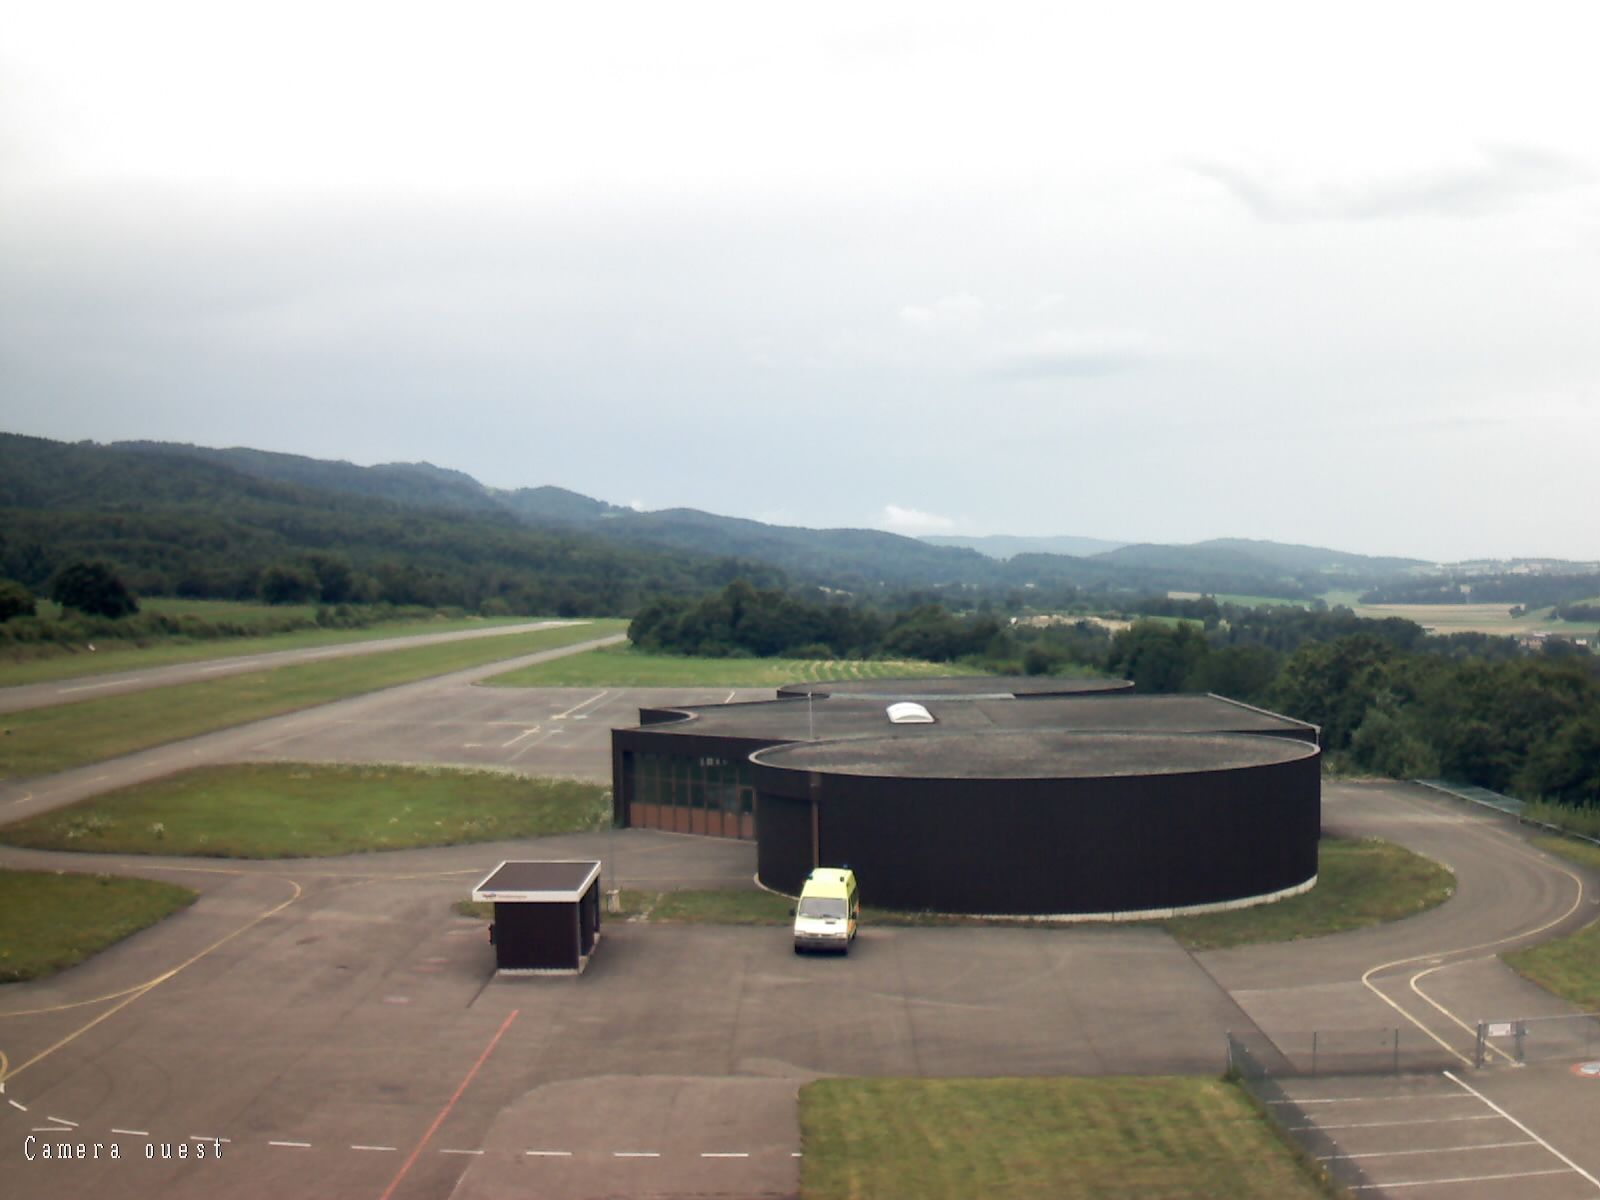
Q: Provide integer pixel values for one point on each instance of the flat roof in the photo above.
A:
(799, 720)
(538, 882)
(1034, 754)
(954, 686)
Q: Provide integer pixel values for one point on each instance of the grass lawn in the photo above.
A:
(47, 662)
(623, 666)
(50, 921)
(1041, 1139)
(43, 740)
(1359, 884)
(293, 810)
(1568, 966)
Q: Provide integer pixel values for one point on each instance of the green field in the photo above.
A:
(623, 666)
(291, 810)
(1568, 966)
(50, 921)
(1041, 1139)
(40, 741)
(47, 662)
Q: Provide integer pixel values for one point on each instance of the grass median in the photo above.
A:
(50, 663)
(623, 666)
(1360, 883)
(44, 740)
(50, 921)
(297, 810)
(1568, 966)
(1042, 1139)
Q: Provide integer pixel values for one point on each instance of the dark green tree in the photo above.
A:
(93, 588)
(15, 600)
(289, 583)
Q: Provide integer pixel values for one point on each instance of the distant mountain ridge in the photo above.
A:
(1004, 546)
(132, 476)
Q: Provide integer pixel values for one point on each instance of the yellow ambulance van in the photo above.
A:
(828, 912)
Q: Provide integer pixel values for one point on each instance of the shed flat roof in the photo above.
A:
(535, 882)
(799, 720)
(1034, 754)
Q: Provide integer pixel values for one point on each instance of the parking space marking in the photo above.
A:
(1391, 1124)
(1452, 1078)
(1411, 1183)
(1436, 1150)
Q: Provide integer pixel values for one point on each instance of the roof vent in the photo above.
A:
(908, 713)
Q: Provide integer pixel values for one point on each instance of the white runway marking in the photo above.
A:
(292, 1145)
(18, 1107)
(62, 1121)
(461, 1152)
(132, 1132)
(561, 716)
(391, 1149)
(549, 1153)
(635, 1154)
(730, 1155)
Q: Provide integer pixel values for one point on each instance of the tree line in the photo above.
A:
(1389, 698)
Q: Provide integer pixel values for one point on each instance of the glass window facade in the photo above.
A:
(699, 781)
(720, 790)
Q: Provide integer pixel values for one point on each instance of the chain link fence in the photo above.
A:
(1573, 1037)
(1393, 1051)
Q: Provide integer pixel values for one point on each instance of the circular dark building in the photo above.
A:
(953, 687)
(1044, 822)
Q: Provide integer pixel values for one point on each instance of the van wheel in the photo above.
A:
(797, 950)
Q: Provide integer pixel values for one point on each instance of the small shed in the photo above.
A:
(546, 915)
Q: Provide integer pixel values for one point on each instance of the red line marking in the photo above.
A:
(451, 1103)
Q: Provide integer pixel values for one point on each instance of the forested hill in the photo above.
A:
(857, 560)
(203, 521)
(188, 524)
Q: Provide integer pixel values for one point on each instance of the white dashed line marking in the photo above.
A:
(205, 1137)
(51, 1129)
(706, 1154)
(18, 1107)
(292, 1145)
(549, 1153)
(132, 1132)
(62, 1121)
(461, 1152)
(635, 1154)
(391, 1149)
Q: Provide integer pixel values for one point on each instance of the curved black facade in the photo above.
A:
(1051, 803)
(1184, 822)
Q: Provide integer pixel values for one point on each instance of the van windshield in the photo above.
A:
(821, 906)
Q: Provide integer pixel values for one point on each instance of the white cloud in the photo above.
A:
(1491, 179)
(1074, 352)
(913, 522)
(960, 313)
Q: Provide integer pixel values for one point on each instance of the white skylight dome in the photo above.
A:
(907, 712)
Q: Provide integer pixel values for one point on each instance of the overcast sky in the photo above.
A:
(1152, 272)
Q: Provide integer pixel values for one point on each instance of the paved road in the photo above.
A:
(69, 691)
(343, 1028)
